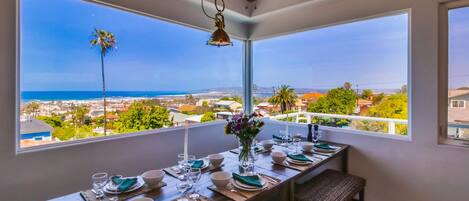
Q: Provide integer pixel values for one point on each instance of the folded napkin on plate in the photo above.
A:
(248, 180)
(198, 164)
(324, 146)
(124, 184)
(276, 137)
(299, 157)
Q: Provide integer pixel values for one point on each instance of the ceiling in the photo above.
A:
(270, 18)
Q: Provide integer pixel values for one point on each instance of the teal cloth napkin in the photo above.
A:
(124, 184)
(248, 180)
(198, 164)
(276, 137)
(299, 157)
(324, 146)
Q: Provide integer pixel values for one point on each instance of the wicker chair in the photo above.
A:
(331, 185)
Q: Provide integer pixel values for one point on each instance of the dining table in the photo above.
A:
(281, 178)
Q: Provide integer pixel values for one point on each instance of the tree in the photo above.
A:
(140, 117)
(378, 98)
(208, 116)
(32, 109)
(393, 106)
(285, 97)
(205, 104)
(54, 121)
(234, 98)
(337, 101)
(367, 94)
(347, 85)
(106, 42)
(79, 114)
(189, 99)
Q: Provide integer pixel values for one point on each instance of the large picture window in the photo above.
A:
(158, 74)
(351, 76)
(455, 67)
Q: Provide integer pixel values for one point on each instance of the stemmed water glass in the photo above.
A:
(183, 185)
(194, 176)
(99, 180)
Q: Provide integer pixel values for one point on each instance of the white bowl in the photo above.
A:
(278, 156)
(307, 146)
(220, 179)
(142, 199)
(153, 177)
(267, 144)
(216, 159)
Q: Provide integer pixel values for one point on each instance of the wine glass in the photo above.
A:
(194, 176)
(183, 186)
(99, 180)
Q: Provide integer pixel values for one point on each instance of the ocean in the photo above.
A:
(28, 96)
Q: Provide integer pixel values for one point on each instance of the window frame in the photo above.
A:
(245, 67)
(408, 137)
(443, 67)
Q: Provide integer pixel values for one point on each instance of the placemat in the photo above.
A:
(174, 173)
(201, 198)
(88, 195)
(241, 195)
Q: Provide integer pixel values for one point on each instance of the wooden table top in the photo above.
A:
(263, 164)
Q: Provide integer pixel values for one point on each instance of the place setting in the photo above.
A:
(240, 187)
(294, 156)
(262, 147)
(118, 187)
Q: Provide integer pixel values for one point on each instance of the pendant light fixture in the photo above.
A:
(219, 37)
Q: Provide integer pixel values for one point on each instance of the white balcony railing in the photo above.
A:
(298, 116)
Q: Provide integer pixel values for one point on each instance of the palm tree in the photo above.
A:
(285, 97)
(106, 42)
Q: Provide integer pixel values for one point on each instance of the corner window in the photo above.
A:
(351, 76)
(157, 75)
(454, 72)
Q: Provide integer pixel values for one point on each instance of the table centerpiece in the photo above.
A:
(245, 127)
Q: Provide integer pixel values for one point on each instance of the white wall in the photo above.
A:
(419, 170)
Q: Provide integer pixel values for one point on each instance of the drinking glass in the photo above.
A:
(115, 185)
(296, 144)
(181, 159)
(99, 180)
(188, 163)
(183, 185)
(194, 176)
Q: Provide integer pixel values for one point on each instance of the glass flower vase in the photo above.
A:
(246, 156)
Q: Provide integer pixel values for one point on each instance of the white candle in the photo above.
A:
(186, 133)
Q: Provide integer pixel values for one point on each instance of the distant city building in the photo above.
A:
(228, 105)
(458, 110)
(33, 129)
(208, 101)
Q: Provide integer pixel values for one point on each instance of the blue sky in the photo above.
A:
(459, 48)
(56, 55)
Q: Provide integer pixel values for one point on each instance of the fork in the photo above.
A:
(231, 188)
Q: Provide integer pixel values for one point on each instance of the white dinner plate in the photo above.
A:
(324, 150)
(108, 187)
(298, 162)
(236, 184)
